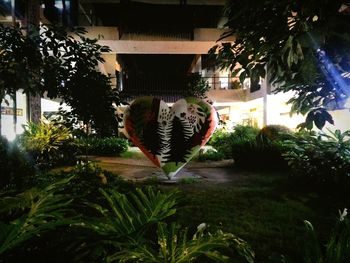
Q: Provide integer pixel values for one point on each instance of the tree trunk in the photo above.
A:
(32, 20)
(14, 107)
(0, 117)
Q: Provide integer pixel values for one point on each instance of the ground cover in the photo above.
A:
(264, 208)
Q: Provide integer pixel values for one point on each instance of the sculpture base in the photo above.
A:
(178, 178)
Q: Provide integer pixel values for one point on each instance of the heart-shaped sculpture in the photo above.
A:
(170, 137)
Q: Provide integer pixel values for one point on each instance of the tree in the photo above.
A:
(63, 64)
(196, 86)
(304, 45)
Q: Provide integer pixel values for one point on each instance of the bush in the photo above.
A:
(321, 158)
(274, 132)
(224, 142)
(87, 179)
(48, 143)
(110, 146)
(217, 141)
(16, 170)
(210, 155)
(254, 149)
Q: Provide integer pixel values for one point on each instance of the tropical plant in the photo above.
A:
(88, 178)
(196, 86)
(16, 170)
(128, 214)
(46, 142)
(44, 210)
(174, 246)
(337, 249)
(321, 159)
(303, 46)
(123, 220)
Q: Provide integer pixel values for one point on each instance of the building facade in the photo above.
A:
(155, 46)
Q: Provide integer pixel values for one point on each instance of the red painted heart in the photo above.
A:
(170, 137)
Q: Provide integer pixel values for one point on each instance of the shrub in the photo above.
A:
(274, 132)
(110, 146)
(321, 158)
(210, 155)
(48, 143)
(87, 179)
(259, 149)
(224, 142)
(257, 155)
(16, 170)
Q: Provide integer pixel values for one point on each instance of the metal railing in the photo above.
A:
(222, 83)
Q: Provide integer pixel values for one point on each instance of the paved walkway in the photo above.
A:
(140, 169)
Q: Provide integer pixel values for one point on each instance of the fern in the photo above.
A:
(164, 132)
(180, 146)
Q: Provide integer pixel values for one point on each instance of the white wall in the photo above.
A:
(7, 126)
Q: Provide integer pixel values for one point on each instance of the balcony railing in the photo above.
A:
(222, 83)
(171, 89)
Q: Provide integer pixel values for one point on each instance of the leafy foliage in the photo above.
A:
(63, 66)
(210, 155)
(274, 132)
(129, 214)
(16, 171)
(337, 248)
(175, 246)
(47, 210)
(123, 220)
(20, 61)
(88, 178)
(224, 142)
(322, 159)
(252, 148)
(196, 86)
(303, 45)
(47, 142)
(108, 146)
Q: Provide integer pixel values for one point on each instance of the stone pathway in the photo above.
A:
(140, 169)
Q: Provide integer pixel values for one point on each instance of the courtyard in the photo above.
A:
(174, 131)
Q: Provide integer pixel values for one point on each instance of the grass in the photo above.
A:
(264, 210)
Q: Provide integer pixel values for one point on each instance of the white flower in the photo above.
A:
(201, 226)
(343, 214)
